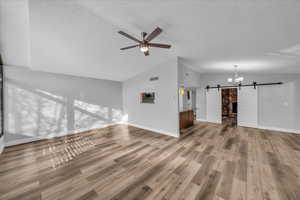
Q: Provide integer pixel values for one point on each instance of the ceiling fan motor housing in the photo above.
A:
(144, 35)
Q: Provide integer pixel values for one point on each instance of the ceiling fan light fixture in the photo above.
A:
(144, 48)
(145, 43)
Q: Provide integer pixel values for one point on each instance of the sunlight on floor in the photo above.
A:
(71, 148)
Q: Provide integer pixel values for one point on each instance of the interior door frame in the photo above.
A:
(237, 114)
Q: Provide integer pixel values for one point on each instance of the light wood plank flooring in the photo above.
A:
(209, 161)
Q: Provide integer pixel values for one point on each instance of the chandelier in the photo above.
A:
(236, 79)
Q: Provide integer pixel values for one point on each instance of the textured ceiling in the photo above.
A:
(80, 37)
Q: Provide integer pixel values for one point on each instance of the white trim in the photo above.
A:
(238, 125)
(154, 130)
(205, 120)
(22, 141)
(264, 127)
(202, 120)
(32, 139)
(213, 122)
(279, 129)
(1, 144)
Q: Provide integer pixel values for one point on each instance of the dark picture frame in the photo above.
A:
(148, 97)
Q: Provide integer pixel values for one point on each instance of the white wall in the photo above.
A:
(1, 144)
(43, 105)
(187, 77)
(163, 115)
(278, 106)
(15, 32)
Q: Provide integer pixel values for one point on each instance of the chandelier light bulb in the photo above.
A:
(236, 78)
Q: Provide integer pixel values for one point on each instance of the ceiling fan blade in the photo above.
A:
(129, 36)
(154, 34)
(146, 53)
(129, 47)
(166, 46)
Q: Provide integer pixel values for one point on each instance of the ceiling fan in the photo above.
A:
(145, 43)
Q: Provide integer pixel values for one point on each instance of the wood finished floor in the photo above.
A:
(121, 162)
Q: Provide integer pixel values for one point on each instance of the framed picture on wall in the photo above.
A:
(148, 97)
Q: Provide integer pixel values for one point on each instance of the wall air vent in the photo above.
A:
(155, 78)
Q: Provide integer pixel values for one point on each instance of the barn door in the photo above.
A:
(213, 103)
(247, 107)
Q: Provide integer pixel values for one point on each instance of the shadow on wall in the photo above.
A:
(38, 113)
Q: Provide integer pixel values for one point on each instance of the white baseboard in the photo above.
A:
(279, 129)
(264, 127)
(154, 130)
(23, 141)
(201, 120)
(204, 120)
(32, 139)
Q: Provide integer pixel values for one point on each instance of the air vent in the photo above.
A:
(155, 78)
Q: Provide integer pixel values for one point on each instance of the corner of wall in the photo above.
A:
(1, 144)
(148, 116)
(155, 130)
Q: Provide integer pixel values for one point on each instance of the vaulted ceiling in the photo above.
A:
(79, 37)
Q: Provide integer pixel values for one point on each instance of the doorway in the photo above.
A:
(229, 106)
(187, 107)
